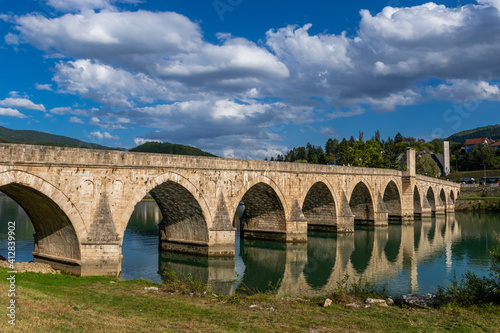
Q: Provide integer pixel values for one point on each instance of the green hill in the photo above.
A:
(41, 138)
(491, 132)
(170, 148)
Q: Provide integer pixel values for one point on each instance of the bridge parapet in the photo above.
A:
(45, 155)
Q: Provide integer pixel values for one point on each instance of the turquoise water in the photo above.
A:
(413, 257)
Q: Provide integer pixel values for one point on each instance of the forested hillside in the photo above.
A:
(170, 148)
(491, 132)
(41, 138)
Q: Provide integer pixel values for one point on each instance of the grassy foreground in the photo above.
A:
(61, 303)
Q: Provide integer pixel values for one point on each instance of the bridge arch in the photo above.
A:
(58, 224)
(362, 203)
(392, 199)
(236, 199)
(431, 198)
(186, 214)
(319, 205)
(264, 209)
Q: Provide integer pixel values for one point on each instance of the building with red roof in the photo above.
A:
(470, 143)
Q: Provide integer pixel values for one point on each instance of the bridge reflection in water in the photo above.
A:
(315, 267)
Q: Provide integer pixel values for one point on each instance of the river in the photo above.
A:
(409, 257)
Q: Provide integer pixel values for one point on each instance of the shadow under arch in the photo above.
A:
(452, 197)
(234, 201)
(431, 198)
(319, 208)
(183, 218)
(442, 196)
(263, 212)
(392, 200)
(361, 203)
(56, 239)
(417, 203)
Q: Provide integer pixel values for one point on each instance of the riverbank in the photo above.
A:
(478, 204)
(478, 199)
(50, 303)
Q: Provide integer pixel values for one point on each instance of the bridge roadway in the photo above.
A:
(80, 200)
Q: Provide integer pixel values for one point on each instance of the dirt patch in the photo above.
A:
(34, 267)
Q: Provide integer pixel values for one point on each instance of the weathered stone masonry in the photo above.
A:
(80, 200)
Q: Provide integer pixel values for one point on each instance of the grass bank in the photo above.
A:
(61, 303)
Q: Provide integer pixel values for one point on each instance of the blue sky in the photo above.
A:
(248, 79)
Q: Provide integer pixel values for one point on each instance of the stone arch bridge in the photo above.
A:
(80, 200)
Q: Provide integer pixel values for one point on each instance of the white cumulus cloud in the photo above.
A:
(79, 5)
(140, 141)
(21, 103)
(157, 69)
(466, 90)
(11, 113)
(47, 87)
(75, 120)
(103, 136)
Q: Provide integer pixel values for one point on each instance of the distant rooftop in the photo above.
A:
(496, 144)
(478, 141)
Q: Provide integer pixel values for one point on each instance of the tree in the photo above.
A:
(377, 137)
(332, 147)
(390, 154)
(372, 154)
(482, 155)
(360, 137)
(437, 146)
(427, 166)
(398, 138)
(344, 153)
(322, 159)
(352, 141)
